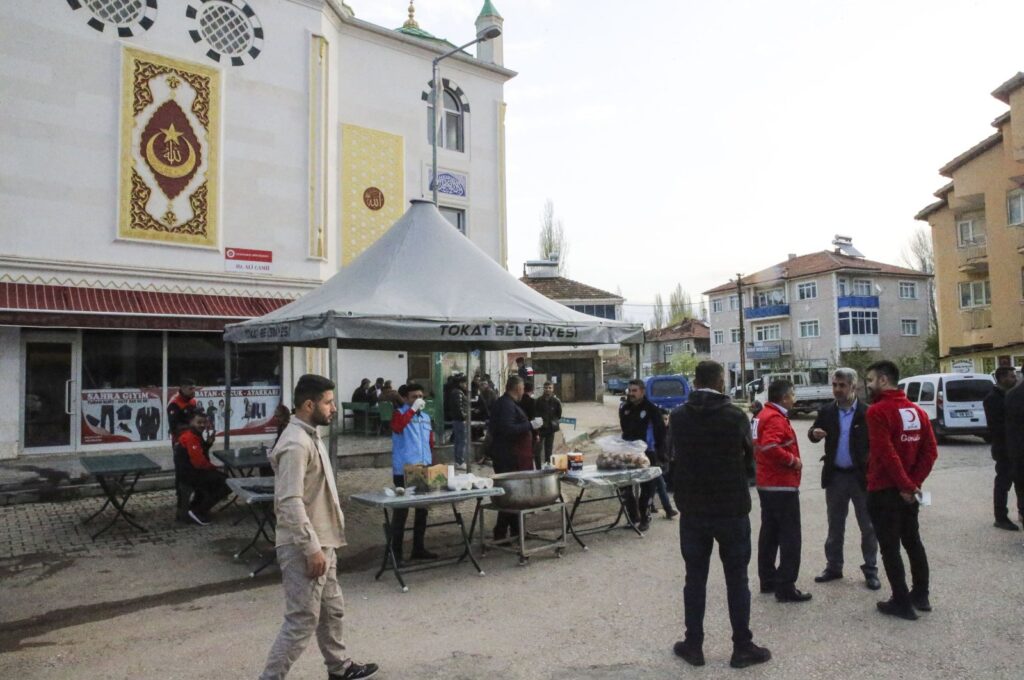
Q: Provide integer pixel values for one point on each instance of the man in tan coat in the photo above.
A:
(310, 528)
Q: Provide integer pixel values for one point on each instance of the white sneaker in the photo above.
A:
(197, 519)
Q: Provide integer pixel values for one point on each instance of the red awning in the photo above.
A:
(29, 304)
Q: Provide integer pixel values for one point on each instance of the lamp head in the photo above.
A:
(489, 33)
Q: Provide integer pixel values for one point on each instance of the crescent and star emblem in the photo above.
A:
(171, 152)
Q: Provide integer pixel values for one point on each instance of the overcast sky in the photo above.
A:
(682, 142)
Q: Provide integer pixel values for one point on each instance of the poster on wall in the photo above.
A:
(170, 120)
(252, 408)
(112, 416)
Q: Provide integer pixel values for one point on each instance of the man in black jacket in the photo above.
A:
(511, 444)
(641, 420)
(714, 457)
(1015, 434)
(995, 418)
(843, 426)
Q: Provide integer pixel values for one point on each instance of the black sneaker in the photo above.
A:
(198, 518)
(690, 652)
(748, 654)
(893, 608)
(355, 671)
(872, 582)
(644, 525)
(920, 602)
(1005, 523)
(671, 514)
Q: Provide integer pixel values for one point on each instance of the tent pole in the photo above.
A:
(636, 358)
(469, 412)
(332, 363)
(227, 396)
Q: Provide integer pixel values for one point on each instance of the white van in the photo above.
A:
(951, 400)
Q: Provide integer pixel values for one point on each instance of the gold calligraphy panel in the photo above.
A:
(170, 127)
(372, 187)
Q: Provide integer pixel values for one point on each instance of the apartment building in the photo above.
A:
(978, 236)
(807, 311)
(662, 345)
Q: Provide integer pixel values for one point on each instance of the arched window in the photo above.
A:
(452, 122)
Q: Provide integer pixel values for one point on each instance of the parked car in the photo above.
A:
(809, 396)
(616, 385)
(952, 401)
(667, 391)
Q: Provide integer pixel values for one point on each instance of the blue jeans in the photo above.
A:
(697, 536)
(459, 442)
(659, 486)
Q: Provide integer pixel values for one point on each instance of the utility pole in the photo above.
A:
(743, 339)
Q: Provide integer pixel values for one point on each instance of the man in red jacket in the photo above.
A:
(778, 486)
(192, 460)
(902, 453)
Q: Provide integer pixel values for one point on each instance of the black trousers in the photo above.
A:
(506, 523)
(210, 488)
(1007, 476)
(398, 519)
(549, 445)
(697, 536)
(895, 523)
(639, 510)
(780, 536)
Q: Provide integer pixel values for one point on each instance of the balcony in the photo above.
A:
(766, 312)
(976, 319)
(857, 301)
(769, 349)
(972, 256)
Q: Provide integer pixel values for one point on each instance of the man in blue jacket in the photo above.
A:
(412, 443)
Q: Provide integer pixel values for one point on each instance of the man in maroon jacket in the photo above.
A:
(902, 453)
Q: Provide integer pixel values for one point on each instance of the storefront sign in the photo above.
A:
(963, 366)
(252, 408)
(122, 415)
(248, 261)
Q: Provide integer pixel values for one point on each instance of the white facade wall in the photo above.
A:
(60, 100)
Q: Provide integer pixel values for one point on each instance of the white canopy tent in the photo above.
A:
(423, 286)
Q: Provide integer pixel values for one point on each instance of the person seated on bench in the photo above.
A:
(193, 467)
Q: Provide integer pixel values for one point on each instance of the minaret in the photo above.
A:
(491, 51)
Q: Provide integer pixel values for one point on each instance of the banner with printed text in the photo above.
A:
(112, 416)
(170, 120)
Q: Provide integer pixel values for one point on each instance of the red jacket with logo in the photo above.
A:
(775, 449)
(196, 449)
(902, 444)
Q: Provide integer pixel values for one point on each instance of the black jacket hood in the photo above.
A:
(701, 400)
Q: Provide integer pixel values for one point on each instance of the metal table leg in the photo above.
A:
(113, 490)
(468, 552)
(389, 555)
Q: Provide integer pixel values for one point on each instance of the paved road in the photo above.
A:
(611, 612)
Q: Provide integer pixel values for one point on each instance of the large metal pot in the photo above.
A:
(529, 489)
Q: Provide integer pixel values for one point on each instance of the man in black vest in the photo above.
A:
(843, 426)
(714, 457)
(995, 418)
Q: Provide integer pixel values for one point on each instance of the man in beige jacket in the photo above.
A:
(310, 528)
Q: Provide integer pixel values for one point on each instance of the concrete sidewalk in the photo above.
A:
(56, 477)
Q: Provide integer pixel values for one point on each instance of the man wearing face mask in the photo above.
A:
(412, 443)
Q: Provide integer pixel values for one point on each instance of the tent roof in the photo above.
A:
(423, 286)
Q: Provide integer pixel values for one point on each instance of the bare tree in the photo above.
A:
(552, 237)
(680, 306)
(918, 254)
(658, 320)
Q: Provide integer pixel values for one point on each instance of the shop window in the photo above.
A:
(121, 359)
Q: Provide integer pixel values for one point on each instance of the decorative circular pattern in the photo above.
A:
(229, 27)
(127, 17)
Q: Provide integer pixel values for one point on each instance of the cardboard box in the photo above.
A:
(426, 477)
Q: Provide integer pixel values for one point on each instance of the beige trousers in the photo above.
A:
(311, 605)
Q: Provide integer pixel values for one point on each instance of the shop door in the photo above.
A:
(51, 397)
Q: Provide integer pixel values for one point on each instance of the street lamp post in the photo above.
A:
(489, 33)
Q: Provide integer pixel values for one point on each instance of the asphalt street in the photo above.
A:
(611, 612)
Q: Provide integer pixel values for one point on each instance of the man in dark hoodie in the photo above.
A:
(714, 457)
